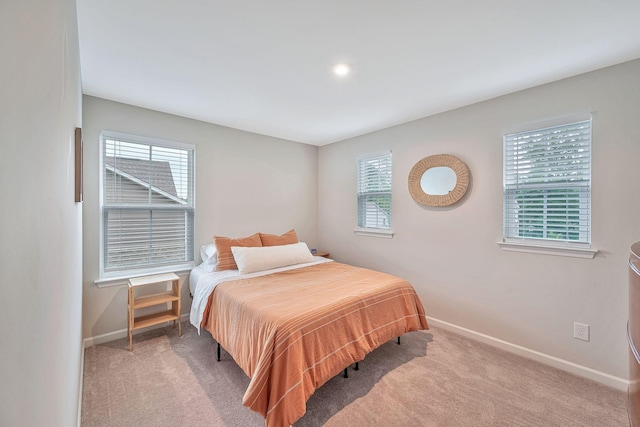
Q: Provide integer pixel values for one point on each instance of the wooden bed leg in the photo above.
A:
(346, 374)
(218, 352)
(398, 340)
(357, 367)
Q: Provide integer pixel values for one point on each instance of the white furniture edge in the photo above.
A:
(124, 280)
(548, 250)
(546, 359)
(153, 279)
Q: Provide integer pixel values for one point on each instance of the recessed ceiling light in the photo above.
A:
(341, 70)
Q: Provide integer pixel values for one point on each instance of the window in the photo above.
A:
(374, 191)
(147, 204)
(547, 185)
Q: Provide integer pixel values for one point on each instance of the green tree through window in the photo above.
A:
(374, 191)
(547, 183)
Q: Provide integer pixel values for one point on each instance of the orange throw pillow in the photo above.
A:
(288, 238)
(223, 249)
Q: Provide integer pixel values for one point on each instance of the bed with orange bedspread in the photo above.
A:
(293, 330)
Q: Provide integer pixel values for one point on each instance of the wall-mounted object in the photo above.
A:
(439, 180)
(78, 167)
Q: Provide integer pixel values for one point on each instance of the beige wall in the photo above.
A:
(244, 183)
(40, 224)
(450, 254)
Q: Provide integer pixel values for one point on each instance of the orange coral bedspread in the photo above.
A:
(292, 331)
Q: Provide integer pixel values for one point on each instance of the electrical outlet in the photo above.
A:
(581, 331)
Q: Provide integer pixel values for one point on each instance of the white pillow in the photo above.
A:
(252, 259)
(207, 253)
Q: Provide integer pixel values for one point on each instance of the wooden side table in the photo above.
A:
(172, 296)
(322, 254)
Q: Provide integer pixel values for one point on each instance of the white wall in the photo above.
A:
(40, 224)
(245, 183)
(450, 254)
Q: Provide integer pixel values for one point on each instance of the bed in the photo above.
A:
(291, 329)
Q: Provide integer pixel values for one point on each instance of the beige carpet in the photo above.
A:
(434, 378)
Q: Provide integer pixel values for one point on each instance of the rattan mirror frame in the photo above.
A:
(438, 160)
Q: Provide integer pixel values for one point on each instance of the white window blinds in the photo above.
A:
(547, 184)
(147, 204)
(374, 191)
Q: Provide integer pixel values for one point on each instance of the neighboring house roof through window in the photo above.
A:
(155, 175)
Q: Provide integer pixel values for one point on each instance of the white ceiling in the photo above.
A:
(265, 66)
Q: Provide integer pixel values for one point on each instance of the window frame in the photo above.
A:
(115, 277)
(385, 232)
(580, 247)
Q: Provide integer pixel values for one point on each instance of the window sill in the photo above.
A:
(374, 232)
(548, 250)
(121, 280)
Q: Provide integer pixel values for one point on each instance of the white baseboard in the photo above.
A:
(122, 333)
(583, 371)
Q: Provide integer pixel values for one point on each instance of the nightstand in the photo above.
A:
(135, 302)
(322, 254)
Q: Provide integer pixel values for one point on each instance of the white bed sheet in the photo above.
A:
(202, 282)
(194, 277)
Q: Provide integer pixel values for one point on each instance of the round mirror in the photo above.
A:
(439, 180)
